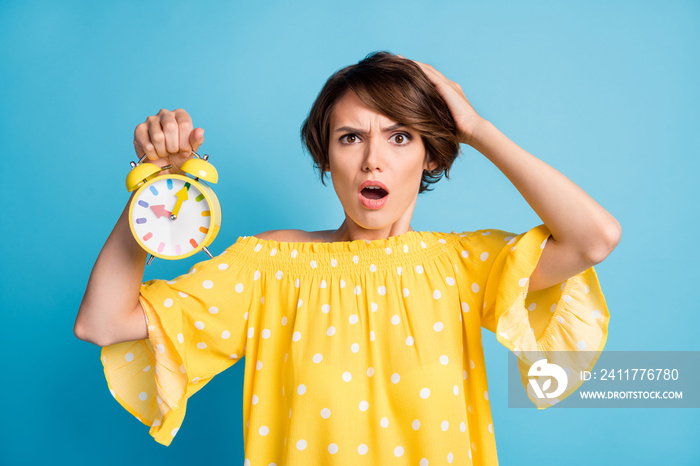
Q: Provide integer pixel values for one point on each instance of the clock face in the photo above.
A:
(171, 217)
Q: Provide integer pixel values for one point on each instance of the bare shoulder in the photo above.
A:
(295, 236)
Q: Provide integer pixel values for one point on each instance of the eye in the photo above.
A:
(400, 139)
(349, 138)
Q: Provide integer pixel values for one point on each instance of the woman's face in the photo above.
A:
(367, 147)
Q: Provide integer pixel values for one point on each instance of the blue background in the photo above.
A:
(606, 92)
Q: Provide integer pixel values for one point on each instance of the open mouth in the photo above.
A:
(374, 192)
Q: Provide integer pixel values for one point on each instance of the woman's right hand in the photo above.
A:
(168, 138)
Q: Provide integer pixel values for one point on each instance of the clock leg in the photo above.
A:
(208, 253)
(150, 259)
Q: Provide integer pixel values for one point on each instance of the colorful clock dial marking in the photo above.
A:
(161, 246)
(170, 184)
(178, 250)
(199, 198)
(204, 230)
(193, 243)
(143, 204)
(147, 236)
(141, 220)
(206, 213)
(153, 190)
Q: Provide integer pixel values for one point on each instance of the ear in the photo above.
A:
(429, 165)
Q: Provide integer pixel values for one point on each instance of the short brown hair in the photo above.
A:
(397, 88)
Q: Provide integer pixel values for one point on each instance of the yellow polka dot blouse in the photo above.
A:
(356, 353)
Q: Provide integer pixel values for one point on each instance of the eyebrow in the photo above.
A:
(348, 129)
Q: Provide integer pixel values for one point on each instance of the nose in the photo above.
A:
(373, 158)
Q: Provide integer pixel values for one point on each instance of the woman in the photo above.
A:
(362, 343)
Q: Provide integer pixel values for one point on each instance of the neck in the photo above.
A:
(350, 231)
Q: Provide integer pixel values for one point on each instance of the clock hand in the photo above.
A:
(160, 211)
(181, 197)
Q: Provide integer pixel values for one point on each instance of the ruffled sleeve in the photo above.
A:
(566, 323)
(197, 326)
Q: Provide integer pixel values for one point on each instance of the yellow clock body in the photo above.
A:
(175, 216)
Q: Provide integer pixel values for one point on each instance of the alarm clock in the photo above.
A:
(174, 216)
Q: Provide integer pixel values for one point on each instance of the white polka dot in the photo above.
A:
(259, 365)
(355, 348)
(364, 406)
(129, 357)
(278, 275)
(299, 303)
(353, 319)
(301, 444)
(258, 247)
(398, 451)
(143, 396)
(313, 264)
(370, 371)
(450, 457)
(355, 259)
(196, 380)
(357, 289)
(284, 321)
(362, 449)
(382, 290)
(490, 427)
(325, 413)
(567, 298)
(581, 345)
(182, 368)
(586, 288)
(213, 310)
(553, 307)
(465, 307)
(332, 448)
(596, 314)
(255, 399)
(266, 333)
(405, 292)
(326, 308)
(423, 462)
(318, 357)
(199, 325)
(415, 424)
(425, 393)
(301, 389)
(475, 287)
(465, 254)
(372, 268)
(395, 378)
(438, 326)
(484, 255)
(560, 319)
(384, 422)
(444, 426)
(486, 395)
(334, 262)
(423, 245)
(347, 376)
(294, 254)
(371, 335)
(471, 364)
(225, 334)
(450, 281)
(342, 283)
(256, 275)
(409, 341)
(399, 270)
(331, 331)
(455, 390)
(522, 281)
(374, 307)
(395, 320)
(405, 248)
(387, 250)
(296, 336)
(161, 348)
(419, 268)
(174, 431)
(444, 360)
(147, 368)
(168, 302)
(251, 332)
(182, 295)
(208, 284)
(462, 427)
(532, 307)
(437, 294)
(323, 284)
(156, 423)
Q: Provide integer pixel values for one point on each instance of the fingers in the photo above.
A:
(167, 133)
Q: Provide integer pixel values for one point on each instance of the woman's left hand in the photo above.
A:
(462, 111)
